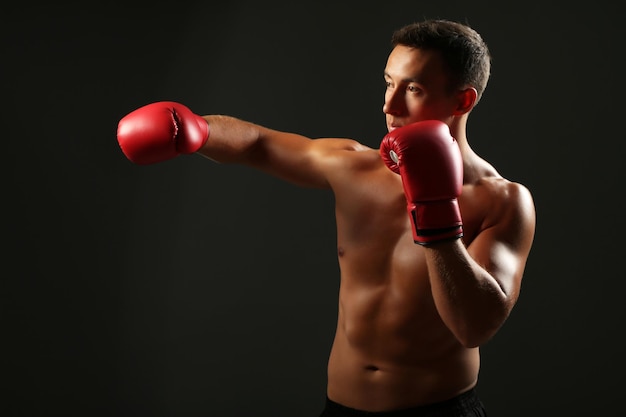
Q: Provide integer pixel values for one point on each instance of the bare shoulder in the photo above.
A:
(506, 196)
(349, 153)
(503, 207)
(340, 144)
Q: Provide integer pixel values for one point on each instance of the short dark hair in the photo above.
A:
(462, 48)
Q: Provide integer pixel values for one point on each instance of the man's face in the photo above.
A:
(416, 87)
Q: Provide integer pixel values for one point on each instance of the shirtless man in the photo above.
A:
(432, 241)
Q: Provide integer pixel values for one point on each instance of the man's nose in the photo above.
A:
(393, 103)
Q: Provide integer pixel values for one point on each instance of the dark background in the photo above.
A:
(189, 288)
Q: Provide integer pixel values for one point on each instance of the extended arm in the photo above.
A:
(164, 130)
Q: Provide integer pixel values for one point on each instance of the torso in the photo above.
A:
(391, 349)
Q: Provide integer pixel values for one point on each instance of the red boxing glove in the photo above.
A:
(429, 161)
(161, 131)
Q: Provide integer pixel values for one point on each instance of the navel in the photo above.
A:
(340, 251)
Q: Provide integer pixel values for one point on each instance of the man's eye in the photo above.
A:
(413, 89)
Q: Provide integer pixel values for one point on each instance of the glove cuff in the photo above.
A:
(435, 221)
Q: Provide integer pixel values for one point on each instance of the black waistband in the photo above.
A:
(455, 406)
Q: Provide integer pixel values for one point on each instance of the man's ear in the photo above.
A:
(466, 100)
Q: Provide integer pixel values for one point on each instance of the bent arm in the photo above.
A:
(475, 288)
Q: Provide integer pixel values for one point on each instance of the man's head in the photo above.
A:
(463, 50)
(438, 69)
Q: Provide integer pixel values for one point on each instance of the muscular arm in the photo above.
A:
(164, 130)
(292, 157)
(475, 288)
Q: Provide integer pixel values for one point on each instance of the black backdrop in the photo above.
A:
(189, 288)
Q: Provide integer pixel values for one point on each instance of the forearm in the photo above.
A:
(164, 130)
(231, 140)
(284, 155)
(469, 299)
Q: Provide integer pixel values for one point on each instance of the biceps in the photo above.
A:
(292, 158)
(503, 249)
(500, 259)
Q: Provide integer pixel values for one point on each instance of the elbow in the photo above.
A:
(474, 330)
(474, 339)
(480, 331)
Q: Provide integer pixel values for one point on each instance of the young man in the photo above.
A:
(432, 241)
